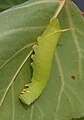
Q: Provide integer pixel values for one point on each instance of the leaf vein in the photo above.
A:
(69, 98)
(75, 94)
(75, 41)
(29, 5)
(7, 61)
(62, 80)
(32, 109)
(41, 111)
(4, 34)
(80, 32)
(14, 77)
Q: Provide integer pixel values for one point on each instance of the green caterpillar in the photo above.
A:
(42, 62)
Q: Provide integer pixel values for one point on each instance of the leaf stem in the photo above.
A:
(59, 8)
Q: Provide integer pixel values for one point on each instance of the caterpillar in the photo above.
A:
(42, 62)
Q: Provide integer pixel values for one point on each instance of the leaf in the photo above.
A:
(19, 28)
(5, 4)
(69, 62)
(63, 97)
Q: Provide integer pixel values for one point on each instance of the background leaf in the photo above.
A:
(5, 4)
(63, 97)
(19, 28)
(70, 63)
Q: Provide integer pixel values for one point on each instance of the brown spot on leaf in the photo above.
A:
(73, 77)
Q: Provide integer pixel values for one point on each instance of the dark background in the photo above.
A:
(80, 4)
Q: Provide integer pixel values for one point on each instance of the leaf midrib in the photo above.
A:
(29, 5)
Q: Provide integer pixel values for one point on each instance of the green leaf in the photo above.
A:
(70, 62)
(5, 4)
(19, 28)
(63, 98)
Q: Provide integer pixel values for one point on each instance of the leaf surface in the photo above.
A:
(63, 98)
(69, 66)
(5, 4)
(19, 28)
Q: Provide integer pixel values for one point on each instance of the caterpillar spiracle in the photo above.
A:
(42, 62)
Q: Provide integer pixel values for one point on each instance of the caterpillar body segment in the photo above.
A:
(42, 62)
